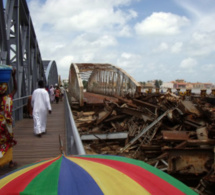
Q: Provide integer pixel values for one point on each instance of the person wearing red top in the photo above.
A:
(6, 131)
(57, 94)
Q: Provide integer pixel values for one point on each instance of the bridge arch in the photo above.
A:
(103, 79)
(51, 72)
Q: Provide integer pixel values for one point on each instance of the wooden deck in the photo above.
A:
(31, 148)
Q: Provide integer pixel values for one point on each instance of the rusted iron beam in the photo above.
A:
(192, 123)
(126, 101)
(144, 104)
(144, 131)
(201, 142)
(192, 161)
(117, 117)
(134, 112)
(179, 146)
(176, 135)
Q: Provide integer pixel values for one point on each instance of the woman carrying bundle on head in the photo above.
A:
(6, 132)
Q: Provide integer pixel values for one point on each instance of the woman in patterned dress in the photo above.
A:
(6, 132)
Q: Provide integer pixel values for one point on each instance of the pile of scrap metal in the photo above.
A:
(174, 135)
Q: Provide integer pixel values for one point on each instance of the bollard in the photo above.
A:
(157, 90)
(213, 92)
(178, 91)
(203, 93)
(188, 92)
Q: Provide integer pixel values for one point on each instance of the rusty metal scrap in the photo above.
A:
(145, 130)
(169, 132)
(175, 135)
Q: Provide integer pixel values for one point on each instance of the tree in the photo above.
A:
(143, 83)
(85, 83)
(158, 83)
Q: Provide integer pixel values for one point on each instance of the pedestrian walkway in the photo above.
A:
(31, 148)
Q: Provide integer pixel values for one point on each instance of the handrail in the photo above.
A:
(18, 104)
(21, 98)
(74, 144)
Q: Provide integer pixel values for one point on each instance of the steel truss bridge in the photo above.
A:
(19, 48)
(105, 79)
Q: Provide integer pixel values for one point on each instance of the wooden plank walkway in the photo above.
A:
(31, 148)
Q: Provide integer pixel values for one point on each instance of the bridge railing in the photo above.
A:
(73, 141)
(18, 105)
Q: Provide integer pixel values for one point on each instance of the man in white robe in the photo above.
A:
(41, 106)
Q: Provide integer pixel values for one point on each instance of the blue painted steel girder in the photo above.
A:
(19, 48)
(51, 72)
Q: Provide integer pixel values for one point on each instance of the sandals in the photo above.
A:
(12, 164)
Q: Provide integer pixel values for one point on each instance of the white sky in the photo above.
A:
(149, 39)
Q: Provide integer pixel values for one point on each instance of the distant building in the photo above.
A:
(148, 84)
(202, 85)
(180, 81)
(177, 85)
(167, 85)
(189, 86)
(180, 84)
(208, 85)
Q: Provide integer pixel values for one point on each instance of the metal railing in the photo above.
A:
(74, 145)
(18, 104)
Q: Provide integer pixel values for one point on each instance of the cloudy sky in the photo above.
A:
(149, 39)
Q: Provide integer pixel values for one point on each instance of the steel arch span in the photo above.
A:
(103, 79)
(51, 72)
(19, 48)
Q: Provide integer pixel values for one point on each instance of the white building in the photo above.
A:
(167, 85)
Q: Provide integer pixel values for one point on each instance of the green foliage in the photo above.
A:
(158, 83)
(142, 83)
(85, 83)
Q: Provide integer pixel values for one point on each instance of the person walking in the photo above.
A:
(52, 95)
(41, 106)
(7, 140)
(61, 92)
(57, 94)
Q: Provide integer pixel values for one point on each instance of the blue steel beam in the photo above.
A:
(19, 48)
(51, 72)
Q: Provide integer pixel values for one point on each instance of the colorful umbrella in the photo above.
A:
(91, 174)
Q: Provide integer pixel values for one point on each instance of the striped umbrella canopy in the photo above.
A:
(91, 174)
